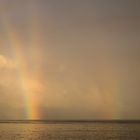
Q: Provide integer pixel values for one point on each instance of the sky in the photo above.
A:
(69, 59)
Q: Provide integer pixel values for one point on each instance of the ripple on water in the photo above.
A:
(73, 131)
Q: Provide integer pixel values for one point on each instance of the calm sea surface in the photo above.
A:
(69, 131)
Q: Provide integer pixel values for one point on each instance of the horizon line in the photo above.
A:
(73, 121)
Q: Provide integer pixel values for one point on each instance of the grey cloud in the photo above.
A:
(85, 53)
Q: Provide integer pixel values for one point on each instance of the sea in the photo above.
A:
(69, 130)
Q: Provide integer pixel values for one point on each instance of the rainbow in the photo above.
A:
(27, 80)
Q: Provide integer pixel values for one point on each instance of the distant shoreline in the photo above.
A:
(68, 121)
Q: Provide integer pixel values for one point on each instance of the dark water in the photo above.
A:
(69, 131)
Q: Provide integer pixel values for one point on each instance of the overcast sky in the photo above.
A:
(69, 59)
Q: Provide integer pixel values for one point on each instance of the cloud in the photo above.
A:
(77, 59)
(6, 63)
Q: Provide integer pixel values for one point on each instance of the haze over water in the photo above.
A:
(69, 131)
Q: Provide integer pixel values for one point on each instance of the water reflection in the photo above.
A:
(69, 131)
